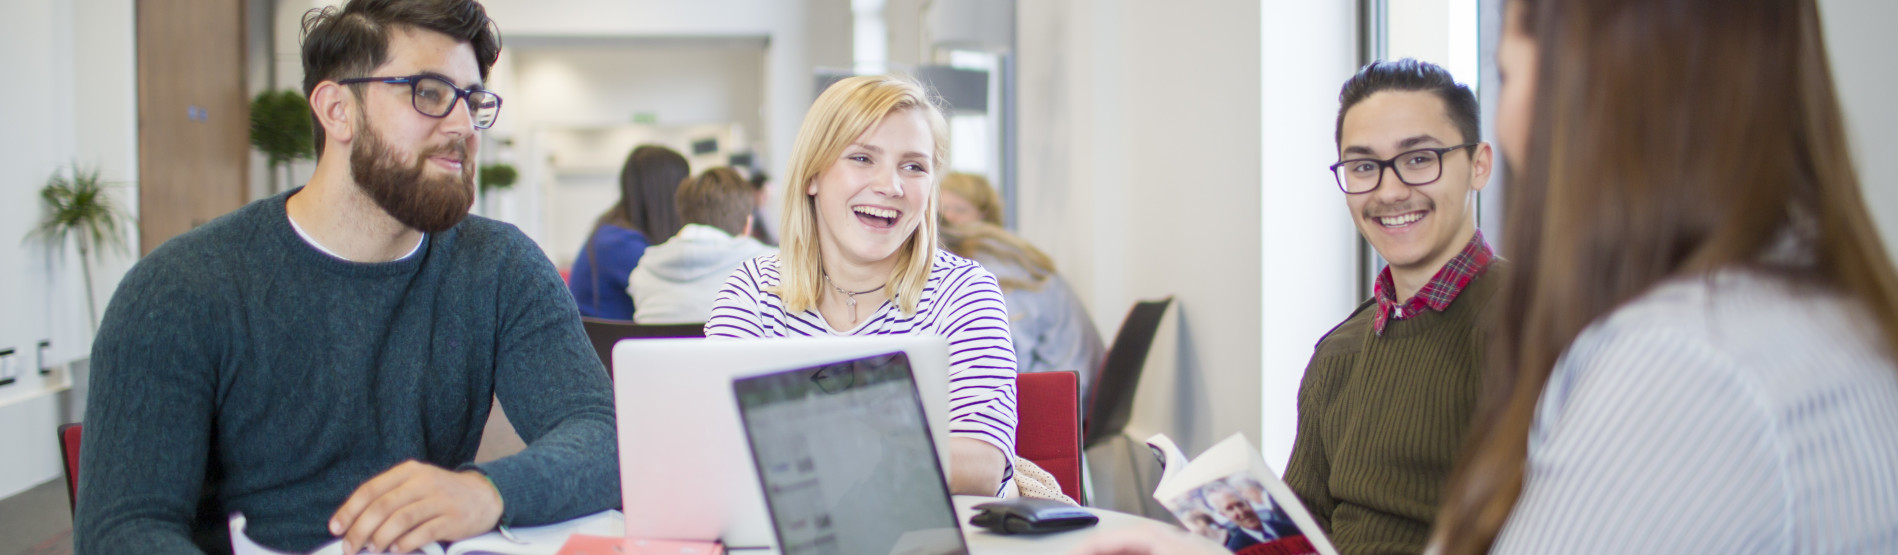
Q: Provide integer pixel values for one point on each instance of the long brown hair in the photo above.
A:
(1670, 138)
(647, 182)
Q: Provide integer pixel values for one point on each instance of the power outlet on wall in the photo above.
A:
(40, 357)
(9, 367)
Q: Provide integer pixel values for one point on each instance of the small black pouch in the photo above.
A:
(1031, 516)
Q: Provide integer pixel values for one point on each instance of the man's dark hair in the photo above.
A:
(1412, 75)
(350, 42)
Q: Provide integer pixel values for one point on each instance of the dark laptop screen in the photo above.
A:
(844, 456)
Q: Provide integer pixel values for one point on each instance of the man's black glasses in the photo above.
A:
(435, 97)
(1417, 167)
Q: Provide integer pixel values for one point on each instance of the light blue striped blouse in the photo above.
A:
(1736, 413)
(960, 302)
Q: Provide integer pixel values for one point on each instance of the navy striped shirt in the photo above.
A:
(961, 302)
(1728, 414)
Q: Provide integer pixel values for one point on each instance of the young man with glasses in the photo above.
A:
(323, 361)
(1388, 393)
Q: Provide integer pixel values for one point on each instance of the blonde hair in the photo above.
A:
(844, 112)
(982, 240)
(976, 189)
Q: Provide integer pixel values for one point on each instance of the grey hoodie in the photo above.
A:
(676, 281)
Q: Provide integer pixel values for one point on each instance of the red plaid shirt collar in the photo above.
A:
(1436, 295)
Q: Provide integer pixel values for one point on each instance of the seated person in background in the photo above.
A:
(968, 197)
(323, 361)
(1052, 331)
(1697, 334)
(676, 281)
(1388, 394)
(860, 258)
(643, 216)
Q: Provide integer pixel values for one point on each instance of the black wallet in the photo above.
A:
(1031, 516)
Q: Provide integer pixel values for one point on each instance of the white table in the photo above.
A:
(983, 542)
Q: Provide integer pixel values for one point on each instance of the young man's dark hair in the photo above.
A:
(719, 197)
(1411, 75)
(352, 41)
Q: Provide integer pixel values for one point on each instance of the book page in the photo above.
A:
(1230, 496)
(525, 540)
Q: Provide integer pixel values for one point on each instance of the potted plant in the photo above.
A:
(280, 127)
(495, 177)
(498, 177)
(79, 208)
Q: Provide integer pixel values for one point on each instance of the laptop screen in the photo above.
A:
(844, 456)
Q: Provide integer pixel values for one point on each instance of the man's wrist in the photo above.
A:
(500, 503)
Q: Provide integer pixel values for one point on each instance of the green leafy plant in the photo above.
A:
(498, 177)
(78, 208)
(280, 128)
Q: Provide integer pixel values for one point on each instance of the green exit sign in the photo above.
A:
(645, 117)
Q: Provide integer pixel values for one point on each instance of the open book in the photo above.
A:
(526, 540)
(1230, 496)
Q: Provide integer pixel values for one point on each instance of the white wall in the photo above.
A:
(1859, 39)
(58, 114)
(1142, 130)
(803, 35)
(1309, 245)
(606, 84)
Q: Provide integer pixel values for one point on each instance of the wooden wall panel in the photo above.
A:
(194, 115)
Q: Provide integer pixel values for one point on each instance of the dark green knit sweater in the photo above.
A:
(239, 369)
(1381, 418)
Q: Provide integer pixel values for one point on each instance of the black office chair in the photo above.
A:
(604, 333)
(1113, 400)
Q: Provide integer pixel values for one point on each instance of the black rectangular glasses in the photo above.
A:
(1417, 167)
(435, 97)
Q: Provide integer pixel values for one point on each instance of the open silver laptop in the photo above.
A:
(685, 467)
(845, 459)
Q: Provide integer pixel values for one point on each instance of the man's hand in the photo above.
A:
(414, 504)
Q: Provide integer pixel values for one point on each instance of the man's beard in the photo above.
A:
(409, 194)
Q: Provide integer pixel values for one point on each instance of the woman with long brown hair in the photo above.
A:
(1693, 351)
(644, 216)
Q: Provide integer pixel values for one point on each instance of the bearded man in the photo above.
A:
(323, 361)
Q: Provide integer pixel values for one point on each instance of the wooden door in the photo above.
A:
(193, 115)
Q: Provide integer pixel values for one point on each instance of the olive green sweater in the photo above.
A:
(1381, 418)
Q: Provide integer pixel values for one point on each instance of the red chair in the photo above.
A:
(1048, 430)
(69, 450)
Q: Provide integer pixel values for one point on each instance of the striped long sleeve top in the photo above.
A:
(1735, 413)
(961, 303)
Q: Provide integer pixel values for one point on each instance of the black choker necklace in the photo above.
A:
(850, 297)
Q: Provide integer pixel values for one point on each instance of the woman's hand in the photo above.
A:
(1148, 540)
(975, 467)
